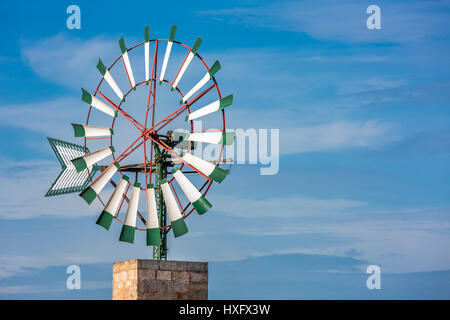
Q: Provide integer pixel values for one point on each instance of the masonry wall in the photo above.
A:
(155, 280)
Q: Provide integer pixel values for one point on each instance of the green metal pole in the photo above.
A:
(160, 252)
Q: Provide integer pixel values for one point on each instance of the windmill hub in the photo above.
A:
(150, 134)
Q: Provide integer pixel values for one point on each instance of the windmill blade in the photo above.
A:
(89, 160)
(225, 138)
(173, 30)
(107, 215)
(129, 226)
(210, 108)
(200, 203)
(81, 130)
(191, 54)
(147, 53)
(97, 103)
(91, 192)
(176, 219)
(127, 63)
(152, 226)
(108, 77)
(69, 180)
(216, 173)
(209, 75)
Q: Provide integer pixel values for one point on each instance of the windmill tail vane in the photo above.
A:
(168, 161)
(69, 179)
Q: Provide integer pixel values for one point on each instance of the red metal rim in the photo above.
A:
(188, 209)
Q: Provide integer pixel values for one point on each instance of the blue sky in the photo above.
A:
(364, 142)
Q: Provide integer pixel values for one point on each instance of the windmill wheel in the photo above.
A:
(172, 179)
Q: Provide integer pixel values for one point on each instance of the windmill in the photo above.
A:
(169, 163)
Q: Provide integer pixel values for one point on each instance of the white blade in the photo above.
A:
(225, 138)
(188, 188)
(147, 53)
(130, 218)
(171, 204)
(114, 201)
(173, 30)
(91, 131)
(165, 61)
(182, 70)
(90, 159)
(197, 87)
(210, 108)
(109, 79)
(186, 63)
(152, 211)
(147, 61)
(97, 103)
(126, 61)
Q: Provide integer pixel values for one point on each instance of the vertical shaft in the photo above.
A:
(160, 252)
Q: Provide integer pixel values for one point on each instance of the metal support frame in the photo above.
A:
(160, 252)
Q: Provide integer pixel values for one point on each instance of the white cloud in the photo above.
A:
(401, 240)
(22, 190)
(22, 289)
(69, 61)
(13, 265)
(336, 135)
(369, 84)
(38, 289)
(329, 136)
(283, 207)
(343, 20)
(48, 116)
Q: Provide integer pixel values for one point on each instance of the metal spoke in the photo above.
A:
(177, 112)
(125, 114)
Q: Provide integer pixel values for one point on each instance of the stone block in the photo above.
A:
(197, 267)
(148, 264)
(131, 274)
(146, 274)
(199, 276)
(168, 265)
(155, 280)
(181, 276)
(163, 275)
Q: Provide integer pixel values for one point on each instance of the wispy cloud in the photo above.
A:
(46, 116)
(13, 290)
(410, 239)
(292, 206)
(39, 290)
(344, 20)
(339, 135)
(369, 84)
(68, 61)
(22, 190)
